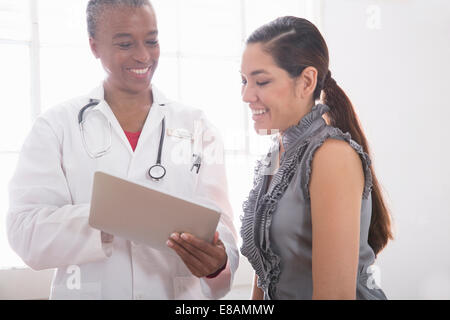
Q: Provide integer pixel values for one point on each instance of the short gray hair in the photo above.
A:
(96, 7)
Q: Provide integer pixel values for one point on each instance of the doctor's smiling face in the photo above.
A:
(277, 100)
(126, 42)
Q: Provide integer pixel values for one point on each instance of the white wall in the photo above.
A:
(392, 59)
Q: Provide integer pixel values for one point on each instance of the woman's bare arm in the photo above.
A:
(336, 189)
(257, 293)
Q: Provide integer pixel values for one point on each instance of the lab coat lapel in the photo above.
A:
(103, 107)
(152, 123)
(154, 119)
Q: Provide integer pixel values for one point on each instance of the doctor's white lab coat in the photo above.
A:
(47, 222)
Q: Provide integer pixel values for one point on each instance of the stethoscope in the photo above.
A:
(157, 171)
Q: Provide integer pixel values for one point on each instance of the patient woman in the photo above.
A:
(315, 219)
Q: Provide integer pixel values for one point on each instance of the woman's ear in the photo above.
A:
(93, 45)
(306, 83)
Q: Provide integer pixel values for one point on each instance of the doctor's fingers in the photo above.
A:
(106, 237)
(215, 257)
(194, 265)
(211, 249)
(210, 256)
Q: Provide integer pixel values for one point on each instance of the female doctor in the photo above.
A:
(128, 128)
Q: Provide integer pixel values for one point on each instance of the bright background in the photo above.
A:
(391, 57)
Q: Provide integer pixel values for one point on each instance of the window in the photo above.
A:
(15, 44)
(46, 59)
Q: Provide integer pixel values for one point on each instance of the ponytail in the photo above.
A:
(343, 116)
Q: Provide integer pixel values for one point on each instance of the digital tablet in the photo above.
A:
(145, 215)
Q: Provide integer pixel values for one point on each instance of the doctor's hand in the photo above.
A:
(202, 258)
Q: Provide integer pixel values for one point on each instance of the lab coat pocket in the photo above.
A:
(180, 151)
(86, 291)
(180, 162)
(187, 288)
(193, 173)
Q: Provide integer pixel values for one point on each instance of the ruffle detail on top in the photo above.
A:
(336, 133)
(296, 133)
(259, 207)
(257, 219)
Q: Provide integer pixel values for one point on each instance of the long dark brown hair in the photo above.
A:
(295, 43)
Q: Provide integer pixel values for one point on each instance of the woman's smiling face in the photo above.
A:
(126, 42)
(269, 91)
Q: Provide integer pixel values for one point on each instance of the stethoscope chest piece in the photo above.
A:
(157, 172)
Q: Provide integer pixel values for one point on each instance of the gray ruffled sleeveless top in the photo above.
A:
(276, 224)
